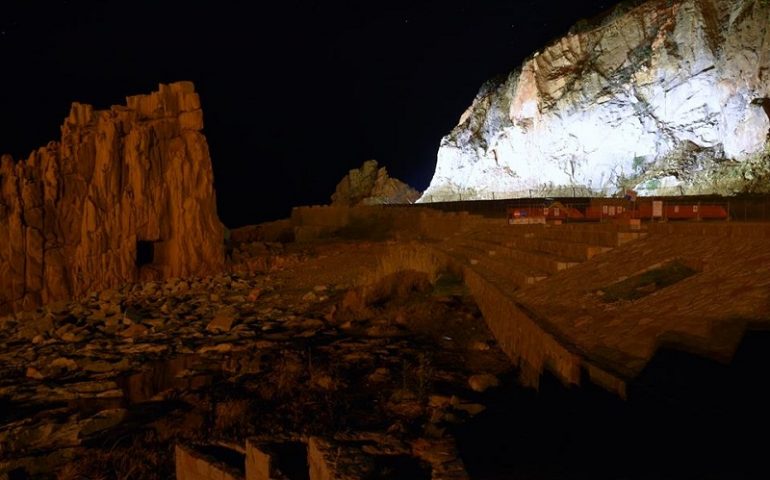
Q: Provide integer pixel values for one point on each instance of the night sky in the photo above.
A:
(294, 92)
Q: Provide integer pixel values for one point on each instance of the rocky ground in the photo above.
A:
(277, 347)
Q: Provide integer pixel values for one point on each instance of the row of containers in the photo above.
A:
(610, 209)
(742, 207)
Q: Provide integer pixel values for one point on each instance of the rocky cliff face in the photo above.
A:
(371, 185)
(666, 96)
(127, 194)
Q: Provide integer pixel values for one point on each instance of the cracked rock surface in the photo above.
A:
(668, 97)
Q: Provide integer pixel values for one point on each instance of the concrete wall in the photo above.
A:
(525, 340)
(258, 462)
(312, 223)
(718, 229)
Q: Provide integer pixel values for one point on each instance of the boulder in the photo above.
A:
(482, 382)
(222, 322)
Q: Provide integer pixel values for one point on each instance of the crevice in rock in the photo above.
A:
(763, 102)
(710, 15)
(145, 253)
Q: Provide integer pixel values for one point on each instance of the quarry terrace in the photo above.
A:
(580, 288)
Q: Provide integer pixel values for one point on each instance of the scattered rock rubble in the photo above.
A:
(262, 350)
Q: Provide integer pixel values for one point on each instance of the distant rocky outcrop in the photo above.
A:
(371, 185)
(126, 195)
(664, 96)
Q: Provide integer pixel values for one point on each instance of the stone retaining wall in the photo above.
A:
(312, 223)
(527, 341)
(193, 465)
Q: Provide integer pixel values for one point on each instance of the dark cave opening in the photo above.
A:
(686, 417)
(233, 459)
(763, 102)
(18, 474)
(145, 253)
(291, 459)
(394, 467)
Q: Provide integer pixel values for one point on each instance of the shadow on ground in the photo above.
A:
(686, 417)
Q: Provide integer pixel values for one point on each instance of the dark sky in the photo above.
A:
(294, 92)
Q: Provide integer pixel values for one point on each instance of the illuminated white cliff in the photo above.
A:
(668, 97)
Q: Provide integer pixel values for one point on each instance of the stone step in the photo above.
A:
(566, 251)
(516, 273)
(502, 236)
(333, 459)
(541, 261)
(559, 232)
(595, 235)
(576, 251)
(208, 461)
(503, 273)
(514, 253)
(625, 237)
(604, 238)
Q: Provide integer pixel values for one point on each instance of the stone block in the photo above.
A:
(258, 462)
(192, 464)
(319, 461)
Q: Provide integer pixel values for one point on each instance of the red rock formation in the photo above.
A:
(127, 194)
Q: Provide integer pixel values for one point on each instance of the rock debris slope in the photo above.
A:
(126, 195)
(667, 96)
